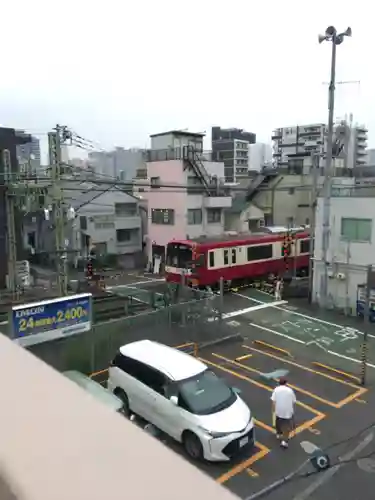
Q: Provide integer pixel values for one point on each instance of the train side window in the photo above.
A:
(212, 259)
(304, 246)
(234, 256)
(261, 252)
(226, 257)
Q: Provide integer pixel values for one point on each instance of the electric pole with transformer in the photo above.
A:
(56, 139)
(20, 194)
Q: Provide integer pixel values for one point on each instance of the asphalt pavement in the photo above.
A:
(312, 334)
(320, 355)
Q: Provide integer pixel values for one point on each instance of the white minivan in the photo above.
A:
(179, 395)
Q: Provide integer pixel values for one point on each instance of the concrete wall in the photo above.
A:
(348, 258)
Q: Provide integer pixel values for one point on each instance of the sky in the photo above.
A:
(117, 71)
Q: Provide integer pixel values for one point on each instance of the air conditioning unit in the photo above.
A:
(340, 276)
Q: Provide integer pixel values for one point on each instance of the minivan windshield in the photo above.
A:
(206, 393)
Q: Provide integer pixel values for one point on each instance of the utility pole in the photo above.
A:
(335, 38)
(55, 140)
(315, 157)
(18, 193)
(370, 285)
(11, 226)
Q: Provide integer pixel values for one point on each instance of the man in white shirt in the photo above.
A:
(283, 402)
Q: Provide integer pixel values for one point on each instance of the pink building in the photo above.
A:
(187, 197)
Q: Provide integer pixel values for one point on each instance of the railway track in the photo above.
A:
(110, 306)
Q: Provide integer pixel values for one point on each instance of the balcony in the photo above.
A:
(217, 201)
(277, 134)
(127, 222)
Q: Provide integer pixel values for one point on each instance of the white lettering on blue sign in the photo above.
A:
(29, 312)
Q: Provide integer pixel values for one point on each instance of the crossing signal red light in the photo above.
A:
(89, 269)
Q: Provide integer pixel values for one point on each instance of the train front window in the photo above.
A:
(179, 256)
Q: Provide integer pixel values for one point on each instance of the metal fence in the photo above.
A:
(195, 321)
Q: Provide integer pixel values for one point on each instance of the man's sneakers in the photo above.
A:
(284, 444)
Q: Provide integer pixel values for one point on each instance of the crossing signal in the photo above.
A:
(287, 249)
(89, 269)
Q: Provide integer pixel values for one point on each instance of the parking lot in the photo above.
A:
(331, 404)
(325, 409)
(322, 400)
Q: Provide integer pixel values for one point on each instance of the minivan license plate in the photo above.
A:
(244, 441)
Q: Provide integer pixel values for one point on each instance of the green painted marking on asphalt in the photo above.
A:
(329, 337)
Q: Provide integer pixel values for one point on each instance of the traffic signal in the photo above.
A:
(90, 270)
(287, 249)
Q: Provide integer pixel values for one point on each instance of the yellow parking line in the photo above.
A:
(305, 368)
(252, 473)
(95, 374)
(242, 358)
(295, 387)
(187, 344)
(340, 372)
(265, 387)
(237, 469)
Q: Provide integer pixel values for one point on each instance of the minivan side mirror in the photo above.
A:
(174, 400)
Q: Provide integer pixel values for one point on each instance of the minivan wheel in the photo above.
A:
(124, 398)
(193, 446)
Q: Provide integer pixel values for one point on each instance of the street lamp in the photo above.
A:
(331, 35)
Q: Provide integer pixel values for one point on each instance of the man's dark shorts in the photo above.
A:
(283, 425)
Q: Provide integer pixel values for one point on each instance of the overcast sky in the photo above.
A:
(117, 71)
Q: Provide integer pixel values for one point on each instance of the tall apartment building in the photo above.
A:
(231, 146)
(293, 146)
(10, 139)
(28, 154)
(120, 163)
(176, 159)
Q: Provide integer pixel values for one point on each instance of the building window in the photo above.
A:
(83, 223)
(123, 235)
(162, 216)
(356, 229)
(125, 209)
(291, 190)
(259, 253)
(104, 225)
(213, 215)
(194, 216)
(155, 182)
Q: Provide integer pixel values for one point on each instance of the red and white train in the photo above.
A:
(237, 259)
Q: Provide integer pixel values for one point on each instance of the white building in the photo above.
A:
(351, 245)
(117, 164)
(110, 221)
(292, 146)
(370, 156)
(260, 154)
